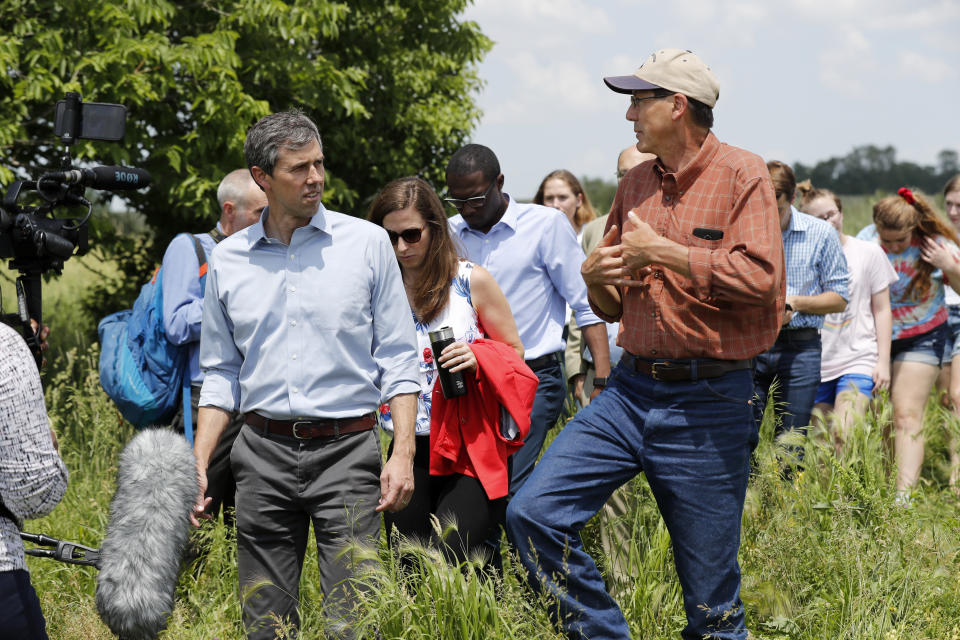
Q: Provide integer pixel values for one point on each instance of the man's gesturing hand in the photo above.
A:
(638, 243)
(605, 265)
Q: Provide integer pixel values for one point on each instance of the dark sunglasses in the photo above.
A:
(410, 236)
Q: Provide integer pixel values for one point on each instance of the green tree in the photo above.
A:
(391, 84)
(867, 169)
(601, 193)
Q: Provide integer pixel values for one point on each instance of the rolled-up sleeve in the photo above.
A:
(220, 359)
(394, 345)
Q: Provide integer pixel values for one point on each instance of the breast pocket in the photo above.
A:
(706, 237)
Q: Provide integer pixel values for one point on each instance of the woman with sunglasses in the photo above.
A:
(443, 290)
(923, 251)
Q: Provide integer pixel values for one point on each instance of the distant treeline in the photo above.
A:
(869, 169)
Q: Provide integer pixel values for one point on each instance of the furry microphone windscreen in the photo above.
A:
(147, 533)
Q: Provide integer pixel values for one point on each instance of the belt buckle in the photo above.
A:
(293, 429)
(653, 368)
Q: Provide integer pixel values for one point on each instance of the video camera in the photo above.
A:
(31, 235)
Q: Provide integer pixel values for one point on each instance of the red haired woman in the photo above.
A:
(923, 251)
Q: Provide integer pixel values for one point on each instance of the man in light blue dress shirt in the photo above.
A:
(241, 202)
(533, 254)
(817, 284)
(306, 330)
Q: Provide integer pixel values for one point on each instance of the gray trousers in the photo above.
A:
(282, 485)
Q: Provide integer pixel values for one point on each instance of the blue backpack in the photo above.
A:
(140, 369)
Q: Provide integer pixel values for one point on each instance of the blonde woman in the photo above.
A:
(561, 190)
(855, 361)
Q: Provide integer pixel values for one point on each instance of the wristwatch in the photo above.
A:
(600, 382)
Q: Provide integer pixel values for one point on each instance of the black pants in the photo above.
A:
(220, 483)
(457, 498)
(20, 615)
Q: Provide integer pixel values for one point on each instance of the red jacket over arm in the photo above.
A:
(465, 432)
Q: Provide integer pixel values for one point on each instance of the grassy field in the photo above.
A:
(828, 556)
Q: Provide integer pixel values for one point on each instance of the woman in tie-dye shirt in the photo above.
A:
(923, 251)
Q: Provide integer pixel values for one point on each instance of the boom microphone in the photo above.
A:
(148, 530)
(108, 178)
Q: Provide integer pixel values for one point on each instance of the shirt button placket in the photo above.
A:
(293, 307)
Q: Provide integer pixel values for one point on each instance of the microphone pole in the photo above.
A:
(63, 550)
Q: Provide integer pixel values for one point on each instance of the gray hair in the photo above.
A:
(287, 129)
(234, 187)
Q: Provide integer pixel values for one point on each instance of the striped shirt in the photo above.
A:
(815, 264)
(732, 304)
(33, 478)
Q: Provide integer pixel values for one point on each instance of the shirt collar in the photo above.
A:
(509, 218)
(678, 182)
(512, 214)
(257, 233)
(799, 222)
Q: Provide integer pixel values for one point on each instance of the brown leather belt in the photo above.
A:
(683, 370)
(307, 429)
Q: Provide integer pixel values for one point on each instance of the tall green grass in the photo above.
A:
(825, 556)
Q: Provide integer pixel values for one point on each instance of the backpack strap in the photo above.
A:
(217, 235)
(201, 255)
(185, 389)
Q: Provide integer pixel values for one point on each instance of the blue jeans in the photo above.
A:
(794, 361)
(547, 406)
(693, 440)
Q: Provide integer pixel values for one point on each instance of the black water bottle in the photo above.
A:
(452, 383)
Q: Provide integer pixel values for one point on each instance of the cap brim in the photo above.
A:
(628, 84)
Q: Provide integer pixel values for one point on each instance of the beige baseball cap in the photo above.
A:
(672, 69)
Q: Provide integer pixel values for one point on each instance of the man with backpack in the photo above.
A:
(241, 202)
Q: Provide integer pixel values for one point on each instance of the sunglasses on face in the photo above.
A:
(410, 236)
(474, 203)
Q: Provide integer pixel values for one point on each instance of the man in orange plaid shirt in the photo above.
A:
(692, 266)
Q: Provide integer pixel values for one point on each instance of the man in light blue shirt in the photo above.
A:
(817, 284)
(306, 330)
(533, 254)
(241, 202)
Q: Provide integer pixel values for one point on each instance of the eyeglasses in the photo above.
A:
(410, 236)
(475, 202)
(657, 95)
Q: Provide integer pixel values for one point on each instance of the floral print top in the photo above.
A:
(460, 315)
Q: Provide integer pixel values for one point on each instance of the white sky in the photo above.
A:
(800, 80)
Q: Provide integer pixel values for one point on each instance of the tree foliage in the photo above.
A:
(601, 193)
(869, 168)
(390, 83)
